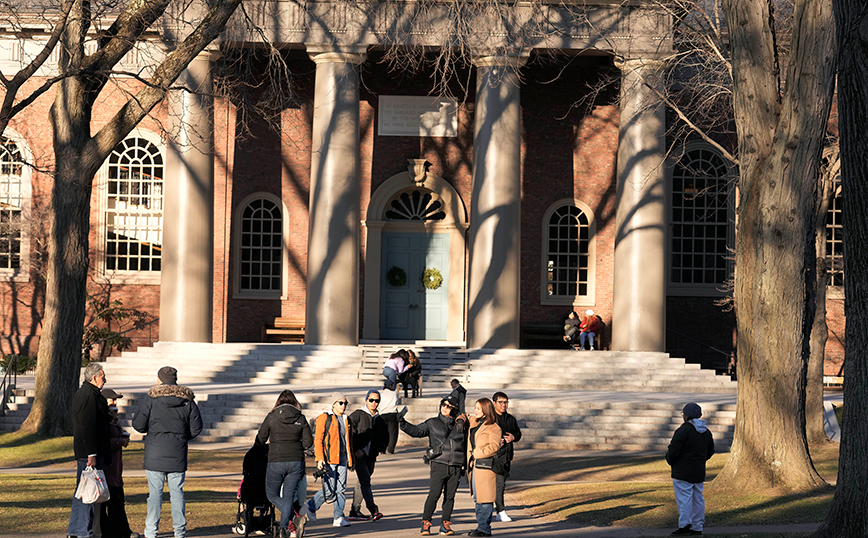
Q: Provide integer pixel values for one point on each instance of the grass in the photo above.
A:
(617, 490)
(636, 491)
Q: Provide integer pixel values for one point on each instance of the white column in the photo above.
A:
(495, 207)
(639, 313)
(186, 278)
(332, 313)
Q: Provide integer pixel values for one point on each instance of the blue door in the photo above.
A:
(414, 311)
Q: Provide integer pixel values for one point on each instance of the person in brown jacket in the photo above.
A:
(483, 443)
(334, 455)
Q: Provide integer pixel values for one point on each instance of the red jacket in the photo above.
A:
(590, 324)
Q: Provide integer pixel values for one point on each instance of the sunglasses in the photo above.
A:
(444, 404)
(373, 400)
(342, 403)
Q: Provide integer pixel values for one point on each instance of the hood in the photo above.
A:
(699, 424)
(288, 414)
(172, 395)
(460, 389)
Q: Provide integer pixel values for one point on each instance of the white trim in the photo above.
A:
(236, 249)
(22, 273)
(578, 300)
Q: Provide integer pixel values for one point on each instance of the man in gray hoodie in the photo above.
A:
(169, 417)
(691, 446)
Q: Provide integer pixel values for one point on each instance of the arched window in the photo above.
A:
(260, 246)
(701, 222)
(14, 201)
(568, 254)
(835, 237)
(133, 219)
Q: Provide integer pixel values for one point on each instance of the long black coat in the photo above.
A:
(170, 418)
(90, 423)
(369, 429)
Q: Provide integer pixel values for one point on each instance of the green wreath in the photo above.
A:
(432, 278)
(396, 277)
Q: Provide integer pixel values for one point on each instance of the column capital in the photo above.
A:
(325, 53)
(626, 65)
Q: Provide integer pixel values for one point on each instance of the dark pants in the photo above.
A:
(499, 505)
(444, 481)
(364, 467)
(113, 515)
(391, 423)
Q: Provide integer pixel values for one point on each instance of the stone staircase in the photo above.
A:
(602, 400)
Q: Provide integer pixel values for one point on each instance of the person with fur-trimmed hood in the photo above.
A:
(169, 418)
(691, 446)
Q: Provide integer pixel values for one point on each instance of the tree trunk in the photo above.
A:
(848, 516)
(780, 141)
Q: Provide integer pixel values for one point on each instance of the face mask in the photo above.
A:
(113, 408)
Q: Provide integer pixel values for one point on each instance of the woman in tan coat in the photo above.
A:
(484, 441)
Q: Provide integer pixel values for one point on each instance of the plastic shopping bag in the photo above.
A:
(92, 488)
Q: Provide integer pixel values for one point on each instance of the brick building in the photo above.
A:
(518, 195)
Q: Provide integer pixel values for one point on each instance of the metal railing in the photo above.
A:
(10, 379)
(707, 356)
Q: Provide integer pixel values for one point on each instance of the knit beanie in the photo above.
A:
(167, 375)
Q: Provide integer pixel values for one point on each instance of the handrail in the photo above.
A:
(9, 383)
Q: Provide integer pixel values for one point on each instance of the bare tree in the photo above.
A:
(847, 516)
(88, 55)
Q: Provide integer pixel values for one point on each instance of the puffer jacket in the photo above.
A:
(436, 428)
(287, 432)
(169, 417)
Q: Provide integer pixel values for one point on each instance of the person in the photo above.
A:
(691, 446)
(113, 514)
(410, 378)
(445, 456)
(370, 439)
(288, 436)
(484, 440)
(460, 394)
(511, 435)
(395, 365)
(90, 442)
(571, 329)
(590, 326)
(333, 450)
(389, 413)
(169, 418)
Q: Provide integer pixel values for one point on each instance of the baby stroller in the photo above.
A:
(255, 512)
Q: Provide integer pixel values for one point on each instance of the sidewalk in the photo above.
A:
(400, 487)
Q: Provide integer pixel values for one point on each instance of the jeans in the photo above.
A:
(335, 484)
(285, 474)
(364, 468)
(391, 375)
(691, 504)
(590, 339)
(444, 481)
(484, 511)
(156, 479)
(81, 515)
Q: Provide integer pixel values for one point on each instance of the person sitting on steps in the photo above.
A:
(590, 326)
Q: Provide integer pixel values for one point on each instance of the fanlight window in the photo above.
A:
(700, 219)
(11, 204)
(567, 267)
(134, 210)
(415, 205)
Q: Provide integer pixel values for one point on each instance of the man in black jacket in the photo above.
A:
(691, 446)
(90, 442)
(446, 454)
(170, 418)
(370, 439)
(511, 434)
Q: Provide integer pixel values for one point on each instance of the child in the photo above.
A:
(691, 446)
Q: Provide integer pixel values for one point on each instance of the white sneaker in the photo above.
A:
(502, 516)
(592, 348)
(341, 522)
